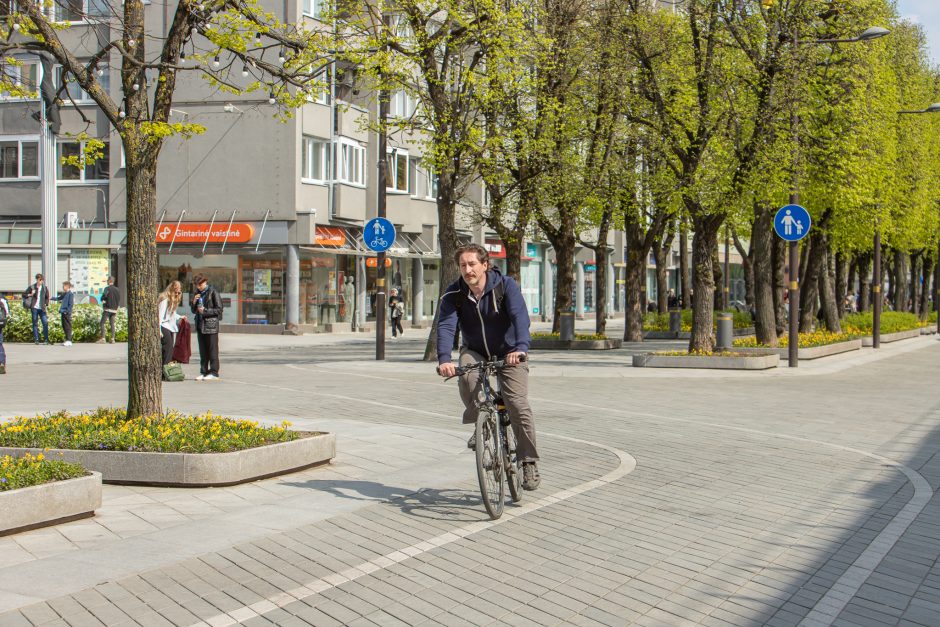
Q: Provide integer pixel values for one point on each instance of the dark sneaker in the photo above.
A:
(530, 476)
(3, 368)
(472, 442)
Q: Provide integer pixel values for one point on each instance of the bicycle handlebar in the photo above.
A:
(496, 364)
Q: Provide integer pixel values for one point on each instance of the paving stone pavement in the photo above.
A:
(785, 497)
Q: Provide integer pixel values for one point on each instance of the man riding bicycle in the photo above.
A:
(494, 323)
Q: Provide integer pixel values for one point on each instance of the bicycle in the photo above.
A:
(379, 242)
(496, 454)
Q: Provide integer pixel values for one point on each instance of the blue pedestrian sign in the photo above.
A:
(378, 234)
(792, 223)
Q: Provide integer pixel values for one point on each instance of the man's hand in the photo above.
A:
(447, 370)
(513, 359)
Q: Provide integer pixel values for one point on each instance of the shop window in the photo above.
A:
(19, 158)
(316, 160)
(96, 172)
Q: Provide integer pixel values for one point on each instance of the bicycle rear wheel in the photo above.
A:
(513, 467)
(489, 453)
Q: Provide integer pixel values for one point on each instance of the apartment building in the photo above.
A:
(247, 200)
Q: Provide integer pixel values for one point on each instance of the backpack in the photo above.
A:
(4, 312)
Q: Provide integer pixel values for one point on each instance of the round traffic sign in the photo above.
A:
(378, 234)
(792, 223)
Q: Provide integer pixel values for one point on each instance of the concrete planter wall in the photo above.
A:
(49, 503)
(575, 345)
(198, 469)
(931, 330)
(892, 337)
(753, 361)
(815, 352)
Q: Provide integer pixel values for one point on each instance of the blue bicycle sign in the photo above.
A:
(378, 234)
(792, 223)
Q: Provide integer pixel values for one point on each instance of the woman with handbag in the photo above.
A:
(169, 301)
(207, 305)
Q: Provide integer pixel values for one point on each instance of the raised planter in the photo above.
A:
(931, 330)
(754, 360)
(49, 503)
(892, 337)
(575, 345)
(684, 335)
(815, 352)
(197, 470)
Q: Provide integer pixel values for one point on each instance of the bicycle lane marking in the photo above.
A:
(627, 464)
(828, 608)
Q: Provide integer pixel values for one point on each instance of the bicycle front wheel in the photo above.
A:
(489, 452)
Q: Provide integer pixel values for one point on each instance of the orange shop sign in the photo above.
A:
(330, 236)
(373, 262)
(197, 233)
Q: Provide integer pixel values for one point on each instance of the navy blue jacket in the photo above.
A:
(490, 328)
(66, 301)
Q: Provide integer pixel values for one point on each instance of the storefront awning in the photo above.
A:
(348, 241)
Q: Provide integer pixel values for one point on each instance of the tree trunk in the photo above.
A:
(563, 241)
(926, 271)
(827, 296)
(765, 323)
(602, 255)
(853, 276)
(809, 283)
(514, 258)
(915, 283)
(718, 278)
(685, 278)
(703, 289)
(842, 269)
(661, 254)
(864, 262)
(635, 274)
(899, 279)
(447, 238)
(144, 357)
(779, 278)
(747, 264)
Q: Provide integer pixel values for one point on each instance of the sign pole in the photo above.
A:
(792, 223)
(794, 337)
(876, 295)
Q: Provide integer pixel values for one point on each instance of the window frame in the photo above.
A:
(341, 168)
(316, 9)
(307, 143)
(391, 173)
(86, 4)
(24, 61)
(85, 99)
(401, 104)
(82, 180)
(20, 140)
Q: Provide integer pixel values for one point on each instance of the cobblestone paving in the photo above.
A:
(772, 498)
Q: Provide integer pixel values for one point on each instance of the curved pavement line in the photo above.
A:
(828, 608)
(626, 466)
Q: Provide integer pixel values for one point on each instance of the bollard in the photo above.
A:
(566, 326)
(675, 322)
(725, 332)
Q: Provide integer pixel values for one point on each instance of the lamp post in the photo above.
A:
(934, 108)
(868, 34)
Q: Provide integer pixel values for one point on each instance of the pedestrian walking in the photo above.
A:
(36, 299)
(66, 303)
(396, 311)
(167, 304)
(207, 305)
(4, 317)
(110, 301)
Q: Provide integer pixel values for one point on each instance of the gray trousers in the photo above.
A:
(514, 381)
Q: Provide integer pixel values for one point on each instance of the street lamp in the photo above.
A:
(934, 108)
(868, 34)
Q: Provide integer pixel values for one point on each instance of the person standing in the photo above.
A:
(66, 303)
(37, 299)
(207, 305)
(396, 310)
(4, 317)
(168, 303)
(110, 301)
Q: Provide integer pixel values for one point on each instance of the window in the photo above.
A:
(24, 76)
(73, 92)
(430, 184)
(397, 174)
(19, 158)
(322, 83)
(78, 10)
(401, 104)
(91, 172)
(8, 7)
(316, 160)
(350, 166)
(316, 8)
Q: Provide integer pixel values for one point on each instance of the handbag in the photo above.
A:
(173, 371)
(210, 325)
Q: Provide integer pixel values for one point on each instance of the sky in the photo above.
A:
(927, 14)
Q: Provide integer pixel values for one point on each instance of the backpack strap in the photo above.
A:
(499, 292)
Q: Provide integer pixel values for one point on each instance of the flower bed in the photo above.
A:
(171, 449)
(660, 322)
(30, 470)
(821, 337)
(578, 336)
(85, 324)
(861, 324)
(109, 429)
